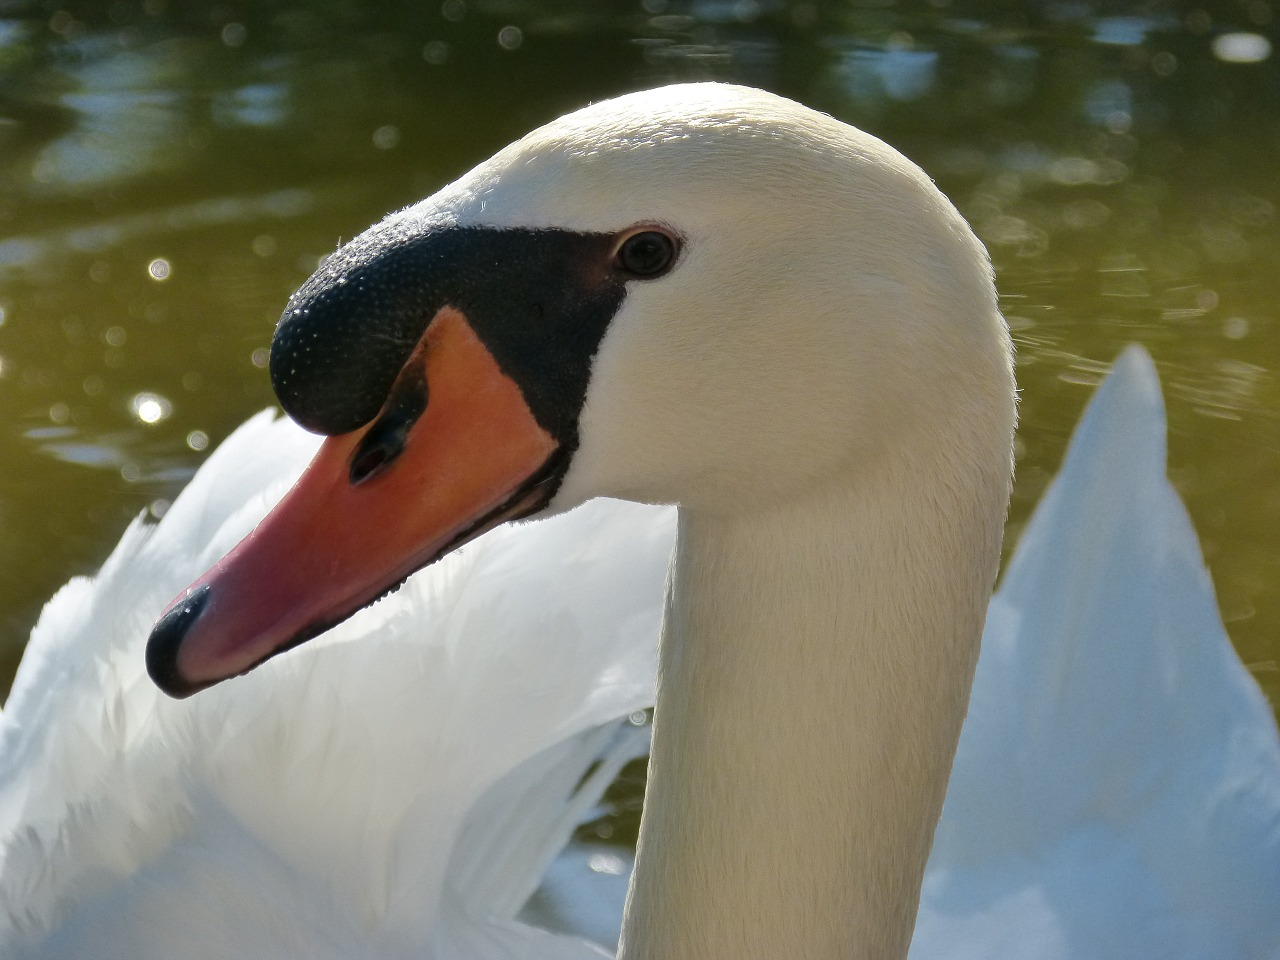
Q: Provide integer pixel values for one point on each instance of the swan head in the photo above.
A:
(702, 294)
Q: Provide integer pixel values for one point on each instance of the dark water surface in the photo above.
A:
(169, 172)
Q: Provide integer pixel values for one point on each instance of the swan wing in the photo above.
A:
(402, 781)
(1117, 789)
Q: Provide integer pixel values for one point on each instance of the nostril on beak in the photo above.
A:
(166, 638)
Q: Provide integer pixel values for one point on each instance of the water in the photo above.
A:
(170, 172)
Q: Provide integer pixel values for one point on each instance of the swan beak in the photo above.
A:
(454, 452)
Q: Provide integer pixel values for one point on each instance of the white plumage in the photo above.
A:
(1116, 792)
(395, 792)
(397, 788)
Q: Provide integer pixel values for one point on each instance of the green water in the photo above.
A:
(170, 172)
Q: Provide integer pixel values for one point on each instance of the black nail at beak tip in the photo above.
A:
(166, 638)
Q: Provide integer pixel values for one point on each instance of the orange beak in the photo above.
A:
(354, 527)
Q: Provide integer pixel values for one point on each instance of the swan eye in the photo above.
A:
(649, 253)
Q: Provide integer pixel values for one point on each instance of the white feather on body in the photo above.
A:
(395, 787)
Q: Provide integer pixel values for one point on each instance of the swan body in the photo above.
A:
(1116, 792)
(830, 403)
(397, 797)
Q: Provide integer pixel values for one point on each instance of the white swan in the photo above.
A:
(828, 396)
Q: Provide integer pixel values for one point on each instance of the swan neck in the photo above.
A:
(815, 669)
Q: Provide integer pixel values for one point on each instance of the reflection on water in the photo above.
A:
(32, 254)
(170, 172)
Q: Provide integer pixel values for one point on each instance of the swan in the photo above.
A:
(706, 296)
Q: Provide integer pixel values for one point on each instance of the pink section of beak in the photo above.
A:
(475, 457)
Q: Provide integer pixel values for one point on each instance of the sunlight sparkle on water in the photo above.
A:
(150, 407)
(608, 863)
(1241, 47)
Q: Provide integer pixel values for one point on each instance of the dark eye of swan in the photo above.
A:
(649, 253)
